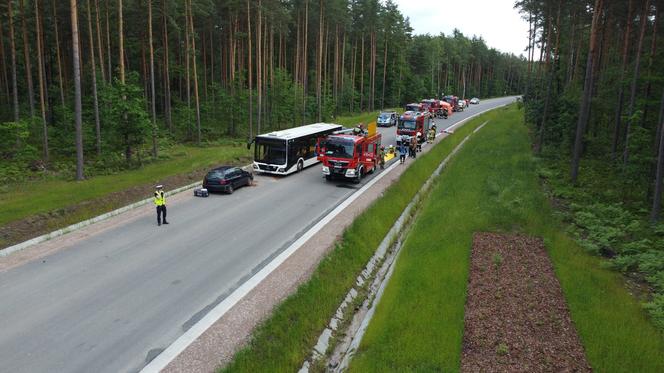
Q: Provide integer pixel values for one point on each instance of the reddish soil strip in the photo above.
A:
(516, 317)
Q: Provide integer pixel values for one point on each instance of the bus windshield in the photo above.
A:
(339, 148)
(407, 124)
(270, 151)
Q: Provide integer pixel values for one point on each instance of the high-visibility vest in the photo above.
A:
(159, 198)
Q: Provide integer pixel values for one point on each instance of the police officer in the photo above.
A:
(160, 203)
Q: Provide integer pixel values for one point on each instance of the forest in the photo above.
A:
(595, 106)
(92, 85)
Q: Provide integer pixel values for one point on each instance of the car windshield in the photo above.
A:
(270, 151)
(407, 124)
(413, 107)
(340, 148)
(384, 116)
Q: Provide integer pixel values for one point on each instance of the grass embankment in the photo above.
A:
(284, 341)
(492, 186)
(28, 198)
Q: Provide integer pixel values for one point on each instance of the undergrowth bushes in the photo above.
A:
(607, 222)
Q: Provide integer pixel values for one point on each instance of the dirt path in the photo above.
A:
(516, 317)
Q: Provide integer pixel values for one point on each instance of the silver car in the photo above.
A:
(387, 119)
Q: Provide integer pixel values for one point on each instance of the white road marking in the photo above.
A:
(169, 354)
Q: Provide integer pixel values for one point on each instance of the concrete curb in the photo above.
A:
(48, 236)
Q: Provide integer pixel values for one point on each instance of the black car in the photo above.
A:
(227, 179)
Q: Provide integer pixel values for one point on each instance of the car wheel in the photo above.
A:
(230, 189)
(300, 166)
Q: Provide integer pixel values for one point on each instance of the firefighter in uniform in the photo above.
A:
(160, 203)
(381, 157)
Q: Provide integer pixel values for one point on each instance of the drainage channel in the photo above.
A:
(337, 344)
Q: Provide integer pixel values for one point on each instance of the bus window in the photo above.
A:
(270, 151)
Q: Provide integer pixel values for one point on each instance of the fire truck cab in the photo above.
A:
(411, 122)
(351, 155)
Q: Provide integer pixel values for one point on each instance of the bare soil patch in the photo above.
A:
(516, 317)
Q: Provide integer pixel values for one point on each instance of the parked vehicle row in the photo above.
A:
(345, 153)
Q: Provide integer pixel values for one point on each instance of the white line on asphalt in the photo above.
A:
(180, 344)
(169, 354)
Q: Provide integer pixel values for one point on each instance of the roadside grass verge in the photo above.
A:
(20, 200)
(491, 185)
(284, 340)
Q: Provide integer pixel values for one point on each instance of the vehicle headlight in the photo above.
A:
(326, 170)
(255, 167)
(350, 172)
(281, 169)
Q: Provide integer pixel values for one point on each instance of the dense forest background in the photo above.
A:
(596, 109)
(108, 82)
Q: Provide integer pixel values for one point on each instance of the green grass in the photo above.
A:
(284, 341)
(18, 201)
(492, 186)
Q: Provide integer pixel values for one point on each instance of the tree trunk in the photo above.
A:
(27, 63)
(152, 90)
(551, 71)
(42, 88)
(167, 77)
(3, 60)
(584, 110)
(362, 76)
(78, 120)
(57, 56)
(108, 44)
(121, 59)
(651, 58)
(12, 45)
(93, 71)
(251, 108)
(635, 79)
(382, 99)
(319, 66)
(621, 86)
(259, 67)
(193, 57)
(100, 46)
(304, 61)
(657, 199)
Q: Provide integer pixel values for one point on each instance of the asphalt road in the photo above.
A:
(112, 302)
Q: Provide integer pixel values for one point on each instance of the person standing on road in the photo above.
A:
(413, 148)
(432, 135)
(160, 203)
(381, 157)
(402, 153)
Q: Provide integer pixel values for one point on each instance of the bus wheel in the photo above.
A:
(300, 165)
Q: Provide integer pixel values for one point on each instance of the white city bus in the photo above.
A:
(287, 151)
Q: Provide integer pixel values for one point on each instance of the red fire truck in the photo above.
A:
(350, 156)
(411, 122)
(431, 105)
